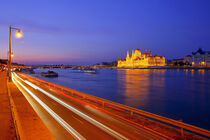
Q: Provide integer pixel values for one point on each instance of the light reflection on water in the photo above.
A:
(137, 85)
(178, 94)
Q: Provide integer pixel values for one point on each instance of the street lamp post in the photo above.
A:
(18, 34)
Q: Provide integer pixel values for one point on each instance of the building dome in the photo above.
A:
(137, 49)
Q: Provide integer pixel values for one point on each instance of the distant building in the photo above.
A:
(176, 62)
(200, 58)
(138, 59)
(188, 60)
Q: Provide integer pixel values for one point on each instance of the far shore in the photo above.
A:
(115, 67)
(171, 67)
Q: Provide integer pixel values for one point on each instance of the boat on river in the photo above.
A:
(85, 69)
(49, 74)
(90, 70)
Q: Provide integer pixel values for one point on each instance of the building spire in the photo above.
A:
(128, 55)
(137, 47)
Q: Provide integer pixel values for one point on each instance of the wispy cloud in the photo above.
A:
(31, 26)
(38, 27)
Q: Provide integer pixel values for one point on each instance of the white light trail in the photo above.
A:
(73, 132)
(76, 111)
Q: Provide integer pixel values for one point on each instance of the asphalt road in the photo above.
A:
(67, 118)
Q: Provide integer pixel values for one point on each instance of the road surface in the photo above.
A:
(67, 118)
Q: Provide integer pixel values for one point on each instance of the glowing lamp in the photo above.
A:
(202, 63)
(19, 34)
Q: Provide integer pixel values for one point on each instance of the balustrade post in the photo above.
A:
(182, 131)
(131, 113)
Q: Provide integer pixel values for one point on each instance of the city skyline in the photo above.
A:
(90, 32)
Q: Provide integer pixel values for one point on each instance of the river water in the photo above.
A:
(178, 94)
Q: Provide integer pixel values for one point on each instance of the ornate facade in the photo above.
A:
(138, 59)
(200, 58)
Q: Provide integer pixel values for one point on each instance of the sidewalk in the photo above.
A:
(7, 129)
(28, 124)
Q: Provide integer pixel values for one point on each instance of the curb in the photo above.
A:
(15, 118)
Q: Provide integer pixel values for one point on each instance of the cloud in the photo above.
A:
(38, 27)
(30, 26)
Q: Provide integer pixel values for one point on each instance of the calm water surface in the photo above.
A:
(178, 94)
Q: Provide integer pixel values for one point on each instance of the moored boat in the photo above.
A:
(49, 74)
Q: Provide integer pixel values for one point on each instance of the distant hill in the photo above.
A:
(3, 61)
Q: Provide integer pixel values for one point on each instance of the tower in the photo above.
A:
(132, 54)
(128, 55)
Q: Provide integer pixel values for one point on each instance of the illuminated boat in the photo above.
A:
(90, 70)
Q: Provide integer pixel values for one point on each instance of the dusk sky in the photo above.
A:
(91, 31)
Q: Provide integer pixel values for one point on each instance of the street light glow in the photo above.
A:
(19, 34)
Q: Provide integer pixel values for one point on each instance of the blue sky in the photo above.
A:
(87, 32)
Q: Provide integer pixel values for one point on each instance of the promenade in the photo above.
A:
(18, 120)
(7, 128)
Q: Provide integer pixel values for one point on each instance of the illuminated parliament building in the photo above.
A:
(138, 60)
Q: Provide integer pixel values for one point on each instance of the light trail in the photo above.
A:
(73, 132)
(76, 111)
